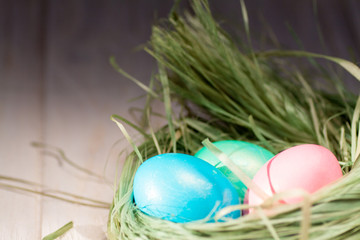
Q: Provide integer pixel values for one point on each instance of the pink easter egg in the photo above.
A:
(308, 167)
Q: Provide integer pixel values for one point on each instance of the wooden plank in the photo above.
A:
(20, 117)
(82, 92)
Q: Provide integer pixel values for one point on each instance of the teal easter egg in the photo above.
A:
(182, 188)
(247, 156)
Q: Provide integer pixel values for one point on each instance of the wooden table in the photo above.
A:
(57, 87)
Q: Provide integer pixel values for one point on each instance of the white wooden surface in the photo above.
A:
(20, 122)
(57, 87)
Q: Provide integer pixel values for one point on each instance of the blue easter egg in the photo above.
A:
(247, 156)
(182, 188)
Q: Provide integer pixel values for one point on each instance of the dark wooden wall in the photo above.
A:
(77, 37)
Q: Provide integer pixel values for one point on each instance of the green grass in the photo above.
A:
(230, 92)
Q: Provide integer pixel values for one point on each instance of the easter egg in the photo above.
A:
(247, 156)
(308, 167)
(182, 188)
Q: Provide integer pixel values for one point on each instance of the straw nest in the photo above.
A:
(226, 90)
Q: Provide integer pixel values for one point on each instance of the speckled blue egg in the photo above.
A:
(182, 188)
(247, 156)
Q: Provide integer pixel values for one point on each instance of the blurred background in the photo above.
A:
(57, 87)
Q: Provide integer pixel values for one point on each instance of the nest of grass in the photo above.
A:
(227, 91)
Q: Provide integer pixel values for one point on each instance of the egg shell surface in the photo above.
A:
(247, 156)
(182, 188)
(308, 167)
